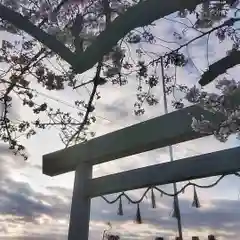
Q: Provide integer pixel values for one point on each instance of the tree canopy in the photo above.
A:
(100, 35)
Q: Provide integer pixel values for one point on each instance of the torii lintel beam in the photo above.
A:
(206, 165)
(158, 132)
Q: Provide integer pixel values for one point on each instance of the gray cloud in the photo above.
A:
(117, 110)
(52, 236)
(9, 163)
(223, 216)
(27, 205)
(20, 200)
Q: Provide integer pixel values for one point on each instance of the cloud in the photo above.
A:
(8, 161)
(21, 201)
(117, 110)
(21, 205)
(30, 213)
(24, 209)
(37, 237)
(213, 220)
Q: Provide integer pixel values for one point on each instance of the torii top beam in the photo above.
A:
(158, 132)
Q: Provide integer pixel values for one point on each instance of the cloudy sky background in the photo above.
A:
(35, 206)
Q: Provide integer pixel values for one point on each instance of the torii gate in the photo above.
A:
(155, 133)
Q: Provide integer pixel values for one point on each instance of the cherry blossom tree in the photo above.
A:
(78, 35)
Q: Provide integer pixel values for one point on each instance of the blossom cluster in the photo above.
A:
(46, 9)
(226, 102)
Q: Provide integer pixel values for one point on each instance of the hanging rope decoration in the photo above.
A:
(175, 213)
(138, 215)
(153, 198)
(120, 208)
(196, 202)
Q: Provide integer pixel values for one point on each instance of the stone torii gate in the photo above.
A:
(169, 129)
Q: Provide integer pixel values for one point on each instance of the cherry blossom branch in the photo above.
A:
(107, 13)
(133, 18)
(34, 60)
(227, 23)
(24, 24)
(89, 107)
(6, 103)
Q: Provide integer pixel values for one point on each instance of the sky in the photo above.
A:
(36, 206)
